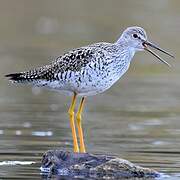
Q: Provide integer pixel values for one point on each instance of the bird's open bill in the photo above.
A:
(147, 43)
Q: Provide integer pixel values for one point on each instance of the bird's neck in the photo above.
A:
(124, 50)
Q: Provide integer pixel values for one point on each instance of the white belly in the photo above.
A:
(88, 85)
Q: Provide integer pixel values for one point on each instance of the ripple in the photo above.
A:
(12, 163)
(27, 124)
(42, 133)
(18, 132)
(1, 131)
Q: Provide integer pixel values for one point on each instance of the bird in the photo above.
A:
(87, 71)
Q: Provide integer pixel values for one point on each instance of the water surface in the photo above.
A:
(137, 119)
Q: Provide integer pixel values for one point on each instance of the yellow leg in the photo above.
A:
(79, 126)
(71, 116)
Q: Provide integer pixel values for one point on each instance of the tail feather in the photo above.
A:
(15, 76)
(32, 76)
(21, 77)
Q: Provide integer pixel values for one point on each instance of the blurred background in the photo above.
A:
(137, 119)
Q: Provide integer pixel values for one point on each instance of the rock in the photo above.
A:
(88, 165)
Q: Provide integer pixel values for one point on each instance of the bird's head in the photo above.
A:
(136, 38)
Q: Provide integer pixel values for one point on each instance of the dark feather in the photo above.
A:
(16, 77)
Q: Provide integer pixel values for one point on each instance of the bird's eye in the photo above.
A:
(135, 36)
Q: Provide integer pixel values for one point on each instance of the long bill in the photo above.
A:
(146, 44)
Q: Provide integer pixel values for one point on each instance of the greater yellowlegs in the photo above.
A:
(89, 70)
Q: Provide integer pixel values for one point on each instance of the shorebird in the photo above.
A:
(89, 70)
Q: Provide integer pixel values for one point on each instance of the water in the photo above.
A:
(137, 119)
